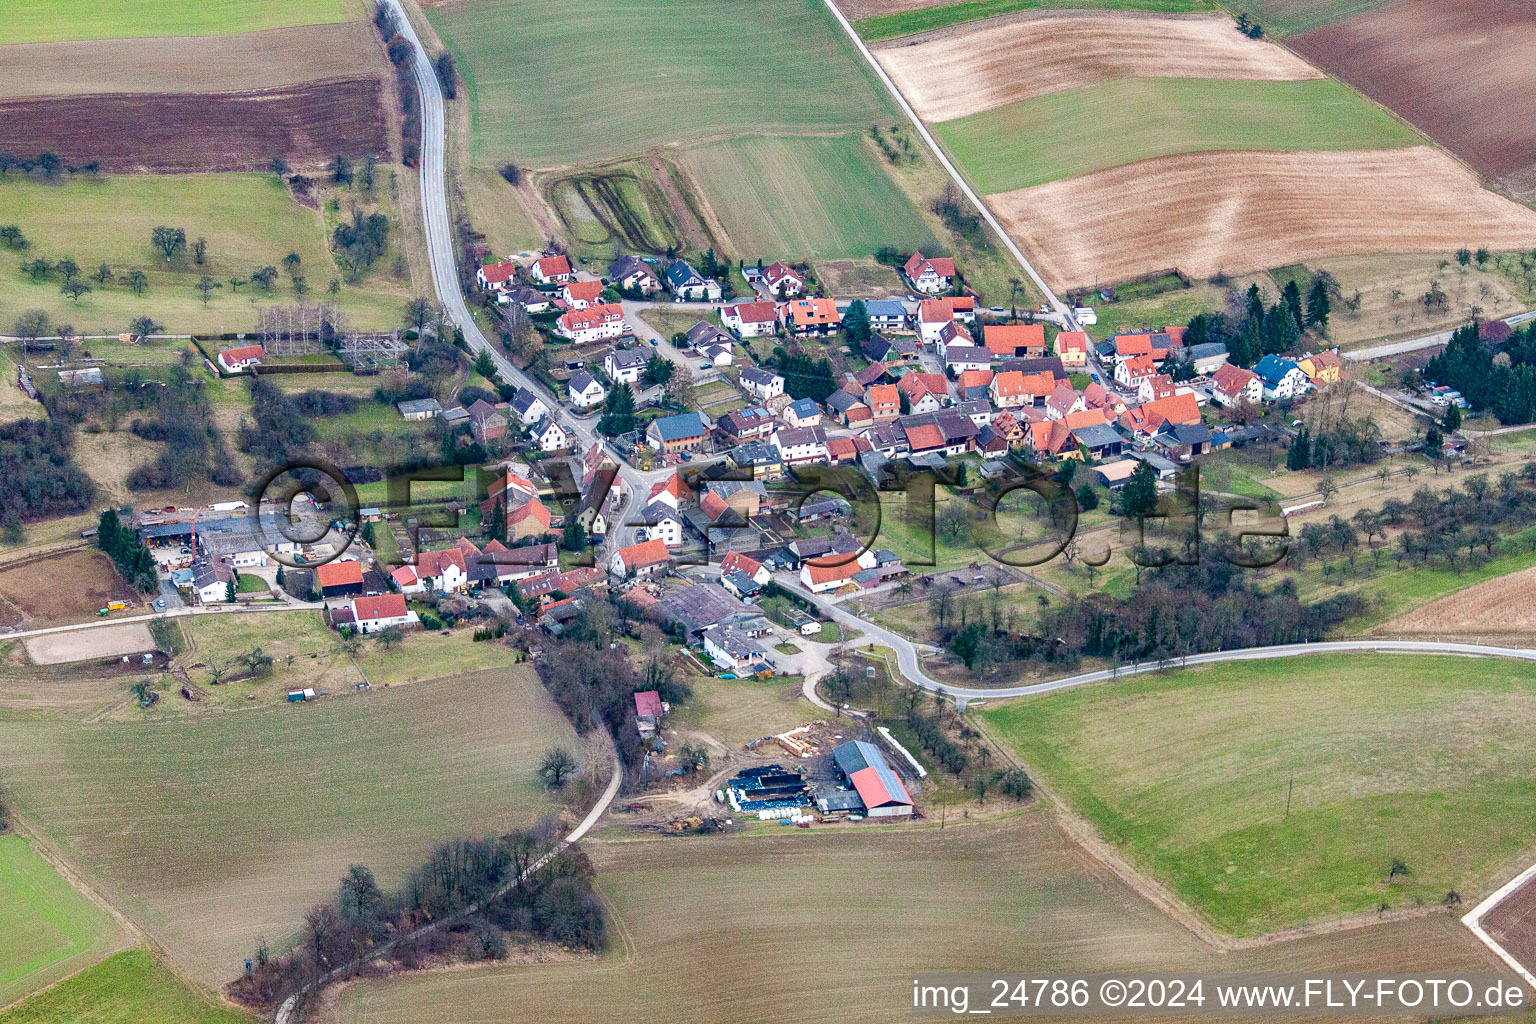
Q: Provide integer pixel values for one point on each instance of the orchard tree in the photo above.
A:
(206, 286)
(557, 766)
(168, 240)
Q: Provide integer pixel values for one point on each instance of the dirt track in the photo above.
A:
(1236, 212)
(1463, 71)
(230, 63)
(984, 65)
(306, 125)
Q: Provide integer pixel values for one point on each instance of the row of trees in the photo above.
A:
(133, 560)
(1267, 330)
(194, 446)
(555, 903)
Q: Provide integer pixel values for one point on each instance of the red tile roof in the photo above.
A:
(499, 273)
(240, 355)
(1176, 409)
(1011, 383)
(340, 574)
(584, 291)
(925, 437)
(833, 573)
(875, 791)
(648, 704)
(433, 563)
(553, 266)
(941, 265)
(592, 316)
(639, 556)
(736, 560)
(1072, 341)
(754, 312)
(384, 606)
(405, 576)
(975, 379)
(1011, 339)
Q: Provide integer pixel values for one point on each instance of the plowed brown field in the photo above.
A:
(1463, 71)
(985, 65)
(306, 125)
(1512, 924)
(232, 63)
(1234, 212)
(1503, 605)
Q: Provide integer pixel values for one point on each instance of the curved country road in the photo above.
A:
(907, 655)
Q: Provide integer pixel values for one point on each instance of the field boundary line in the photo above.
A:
(950, 168)
(1474, 917)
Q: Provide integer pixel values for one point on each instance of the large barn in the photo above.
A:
(879, 790)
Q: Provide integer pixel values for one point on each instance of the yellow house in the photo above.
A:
(1323, 368)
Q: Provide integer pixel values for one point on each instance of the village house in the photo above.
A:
(756, 571)
(485, 422)
(782, 281)
(527, 407)
(886, 315)
(1232, 385)
(802, 412)
(581, 294)
(704, 334)
(925, 392)
(1150, 417)
(442, 571)
(686, 283)
(647, 558)
(498, 278)
(729, 648)
(849, 409)
(884, 402)
(930, 276)
(1206, 357)
(1282, 378)
(1013, 389)
(685, 432)
(584, 390)
(595, 323)
(1132, 370)
(806, 317)
(1153, 346)
(1072, 348)
(624, 365)
(549, 435)
(339, 579)
(1015, 341)
(751, 319)
(750, 424)
(405, 578)
(531, 299)
(1323, 368)
(373, 614)
(890, 351)
(932, 317)
(238, 360)
(800, 445)
(744, 497)
(627, 273)
(764, 384)
(959, 359)
(551, 270)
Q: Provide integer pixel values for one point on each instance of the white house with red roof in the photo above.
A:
(372, 614)
(1132, 370)
(497, 277)
(930, 276)
(406, 579)
(238, 360)
(595, 323)
(782, 280)
(738, 562)
(751, 319)
(645, 559)
(551, 270)
(1233, 385)
(581, 294)
(442, 571)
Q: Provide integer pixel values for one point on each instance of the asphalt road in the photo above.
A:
(1428, 341)
(445, 277)
(907, 655)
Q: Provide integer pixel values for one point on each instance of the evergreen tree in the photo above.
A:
(1292, 298)
(1255, 303)
(1139, 498)
(1318, 304)
(1299, 454)
(1452, 421)
(856, 324)
(619, 413)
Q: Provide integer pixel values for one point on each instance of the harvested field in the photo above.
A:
(887, 19)
(1459, 70)
(32, 586)
(989, 64)
(90, 644)
(1503, 605)
(859, 279)
(253, 60)
(1234, 212)
(1512, 924)
(214, 829)
(849, 914)
(307, 125)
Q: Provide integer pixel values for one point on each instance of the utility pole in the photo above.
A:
(1290, 787)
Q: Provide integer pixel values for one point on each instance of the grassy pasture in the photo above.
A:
(249, 222)
(216, 829)
(130, 988)
(1292, 17)
(696, 920)
(674, 70)
(30, 21)
(47, 929)
(807, 197)
(1421, 759)
(735, 711)
(901, 23)
(1123, 121)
